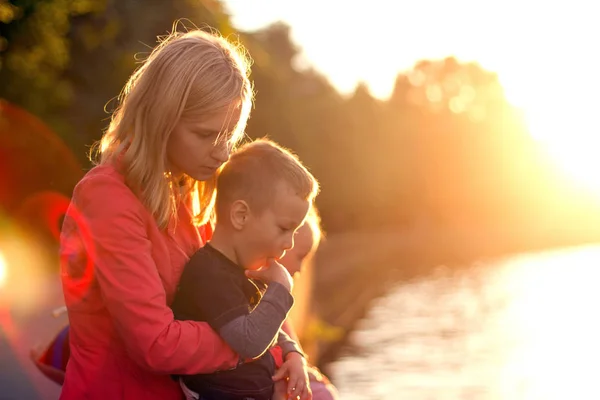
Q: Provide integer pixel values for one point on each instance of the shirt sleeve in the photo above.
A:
(253, 333)
(131, 287)
(288, 344)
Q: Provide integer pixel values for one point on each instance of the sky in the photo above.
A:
(372, 41)
(546, 54)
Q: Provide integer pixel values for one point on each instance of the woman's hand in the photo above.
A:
(295, 370)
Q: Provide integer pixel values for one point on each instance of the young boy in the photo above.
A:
(263, 196)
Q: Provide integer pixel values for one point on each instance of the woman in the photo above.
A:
(136, 218)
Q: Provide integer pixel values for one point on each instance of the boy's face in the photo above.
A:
(271, 233)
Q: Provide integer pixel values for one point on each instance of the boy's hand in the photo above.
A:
(314, 374)
(272, 272)
(296, 370)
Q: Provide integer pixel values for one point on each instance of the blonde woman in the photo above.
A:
(132, 223)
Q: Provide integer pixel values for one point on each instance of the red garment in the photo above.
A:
(119, 273)
(276, 351)
(277, 354)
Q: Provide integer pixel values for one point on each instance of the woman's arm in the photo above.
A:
(132, 289)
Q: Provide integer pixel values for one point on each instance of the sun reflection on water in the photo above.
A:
(521, 328)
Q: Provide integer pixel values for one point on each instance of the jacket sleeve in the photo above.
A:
(131, 287)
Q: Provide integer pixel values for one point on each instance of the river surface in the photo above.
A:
(524, 327)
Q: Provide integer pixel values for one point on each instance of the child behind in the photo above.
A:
(306, 242)
(263, 196)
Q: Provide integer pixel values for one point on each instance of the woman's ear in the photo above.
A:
(239, 214)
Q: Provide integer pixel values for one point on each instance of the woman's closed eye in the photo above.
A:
(207, 134)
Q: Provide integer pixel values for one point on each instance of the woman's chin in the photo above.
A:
(202, 173)
(202, 176)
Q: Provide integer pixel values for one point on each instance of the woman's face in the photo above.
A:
(303, 245)
(193, 148)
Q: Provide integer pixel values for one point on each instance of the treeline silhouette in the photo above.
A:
(445, 149)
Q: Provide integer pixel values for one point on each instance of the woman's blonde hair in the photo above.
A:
(189, 75)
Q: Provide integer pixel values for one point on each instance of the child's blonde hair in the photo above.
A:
(253, 171)
(313, 220)
(187, 76)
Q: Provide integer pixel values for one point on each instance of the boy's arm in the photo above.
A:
(250, 335)
(287, 344)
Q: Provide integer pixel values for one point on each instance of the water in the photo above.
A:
(522, 328)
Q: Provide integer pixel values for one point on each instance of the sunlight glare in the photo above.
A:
(558, 99)
(554, 320)
(24, 288)
(3, 270)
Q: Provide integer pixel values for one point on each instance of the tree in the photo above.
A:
(64, 60)
(36, 53)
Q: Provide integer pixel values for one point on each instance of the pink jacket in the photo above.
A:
(119, 273)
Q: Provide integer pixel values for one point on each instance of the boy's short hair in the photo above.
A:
(253, 172)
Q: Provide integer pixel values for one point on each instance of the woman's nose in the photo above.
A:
(221, 152)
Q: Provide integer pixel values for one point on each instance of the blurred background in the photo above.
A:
(456, 143)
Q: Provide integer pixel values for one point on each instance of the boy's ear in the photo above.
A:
(240, 213)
